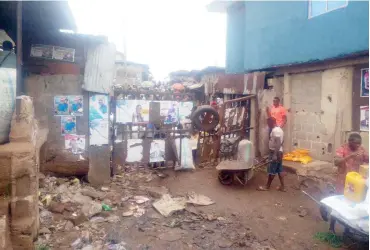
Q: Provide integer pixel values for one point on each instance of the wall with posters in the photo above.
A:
(62, 107)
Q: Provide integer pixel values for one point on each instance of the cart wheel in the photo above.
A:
(324, 213)
(226, 178)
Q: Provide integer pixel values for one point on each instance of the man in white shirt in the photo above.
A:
(275, 155)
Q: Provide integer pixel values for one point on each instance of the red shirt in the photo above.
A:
(278, 113)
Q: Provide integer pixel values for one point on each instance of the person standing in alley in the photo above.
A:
(275, 155)
(278, 112)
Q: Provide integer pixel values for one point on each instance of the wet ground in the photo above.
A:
(240, 218)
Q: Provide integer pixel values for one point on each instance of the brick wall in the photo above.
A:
(318, 105)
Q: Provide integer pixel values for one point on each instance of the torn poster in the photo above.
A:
(98, 119)
(364, 118)
(76, 105)
(134, 150)
(68, 125)
(128, 111)
(169, 110)
(364, 82)
(61, 105)
(52, 52)
(157, 150)
(185, 109)
(75, 143)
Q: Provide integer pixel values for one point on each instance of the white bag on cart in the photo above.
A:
(186, 154)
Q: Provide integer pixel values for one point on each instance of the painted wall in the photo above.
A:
(280, 33)
(235, 39)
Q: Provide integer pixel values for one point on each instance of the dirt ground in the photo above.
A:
(240, 218)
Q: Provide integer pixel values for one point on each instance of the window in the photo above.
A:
(318, 7)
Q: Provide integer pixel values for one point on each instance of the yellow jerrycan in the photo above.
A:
(355, 187)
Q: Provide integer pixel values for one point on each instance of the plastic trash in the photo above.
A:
(106, 207)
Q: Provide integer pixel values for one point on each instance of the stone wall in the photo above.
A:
(19, 221)
(43, 88)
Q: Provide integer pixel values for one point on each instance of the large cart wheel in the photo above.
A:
(225, 177)
(210, 118)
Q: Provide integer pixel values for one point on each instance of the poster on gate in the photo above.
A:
(169, 111)
(364, 118)
(364, 82)
(128, 111)
(98, 119)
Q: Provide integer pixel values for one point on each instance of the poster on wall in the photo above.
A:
(42, 51)
(75, 143)
(76, 105)
(169, 110)
(364, 82)
(63, 54)
(185, 110)
(157, 150)
(98, 119)
(52, 52)
(128, 111)
(61, 105)
(134, 150)
(364, 118)
(68, 125)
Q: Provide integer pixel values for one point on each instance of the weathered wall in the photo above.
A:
(271, 33)
(19, 208)
(43, 88)
(321, 108)
(265, 98)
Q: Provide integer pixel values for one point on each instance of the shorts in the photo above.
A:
(275, 167)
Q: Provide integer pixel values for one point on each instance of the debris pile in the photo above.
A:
(74, 215)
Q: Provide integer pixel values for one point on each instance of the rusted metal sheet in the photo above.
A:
(100, 68)
(243, 84)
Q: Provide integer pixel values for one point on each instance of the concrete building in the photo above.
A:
(315, 56)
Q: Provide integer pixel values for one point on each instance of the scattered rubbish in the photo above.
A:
(86, 237)
(199, 199)
(44, 230)
(46, 217)
(128, 213)
(56, 207)
(92, 193)
(139, 212)
(113, 219)
(68, 226)
(77, 244)
(46, 200)
(106, 207)
(97, 219)
(91, 209)
(75, 181)
(105, 189)
(141, 199)
(168, 205)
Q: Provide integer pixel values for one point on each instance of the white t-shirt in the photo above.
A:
(276, 132)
